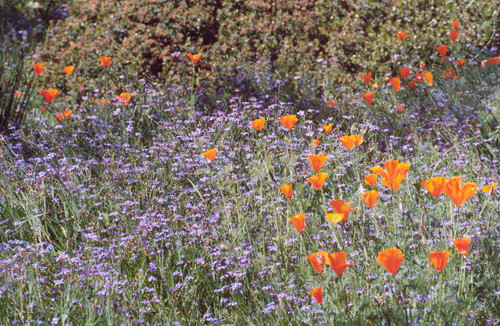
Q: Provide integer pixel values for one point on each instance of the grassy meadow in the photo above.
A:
(284, 176)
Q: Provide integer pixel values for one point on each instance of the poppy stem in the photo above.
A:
(441, 289)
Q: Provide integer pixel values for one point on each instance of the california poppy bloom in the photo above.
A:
(105, 102)
(395, 83)
(342, 210)
(489, 189)
(404, 72)
(371, 179)
(412, 85)
(59, 116)
(391, 259)
(66, 114)
(393, 174)
(375, 86)
(38, 68)
(462, 245)
(367, 77)
(328, 128)
(370, 198)
(419, 78)
(442, 50)
(318, 260)
(289, 121)
(368, 97)
(315, 142)
(434, 185)
(18, 94)
(337, 262)
(287, 190)
(439, 259)
(317, 161)
(49, 94)
(69, 70)
(457, 192)
(429, 78)
(317, 294)
(125, 98)
(453, 35)
(318, 180)
(258, 124)
(484, 64)
(211, 154)
(494, 60)
(105, 61)
(400, 107)
(455, 25)
(194, 57)
(401, 35)
(298, 221)
(449, 73)
(460, 62)
(351, 141)
(331, 103)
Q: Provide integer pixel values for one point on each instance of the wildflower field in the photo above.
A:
(249, 162)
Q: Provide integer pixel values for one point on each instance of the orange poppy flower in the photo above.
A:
(287, 190)
(38, 68)
(412, 85)
(434, 186)
(328, 128)
(391, 259)
(453, 35)
(67, 114)
(18, 94)
(462, 245)
(125, 98)
(367, 77)
(194, 57)
(69, 70)
(368, 97)
(401, 35)
(49, 94)
(419, 78)
(490, 189)
(351, 141)
(315, 142)
(318, 180)
(455, 25)
(404, 72)
(459, 193)
(494, 60)
(400, 107)
(289, 121)
(258, 124)
(317, 294)
(442, 50)
(331, 103)
(429, 78)
(393, 174)
(337, 262)
(371, 179)
(59, 116)
(105, 102)
(395, 83)
(449, 73)
(298, 222)
(342, 210)
(484, 64)
(439, 259)
(460, 62)
(318, 264)
(317, 161)
(370, 198)
(375, 86)
(211, 154)
(105, 61)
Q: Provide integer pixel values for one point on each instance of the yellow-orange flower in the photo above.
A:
(315, 142)
(337, 262)
(371, 179)
(367, 77)
(395, 83)
(429, 78)
(318, 264)
(298, 221)
(489, 189)
(401, 35)
(331, 103)
(368, 97)
(289, 121)
(287, 190)
(328, 128)
(393, 174)
(370, 198)
(38, 68)
(351, 141)
(449, 73)
(49, 94)
(258, 124)
(194, 57)
(211, 154)
(105, 102)
(342, 211)
(400, 108)
(69, 70)
(439, 259)
(125, 98)
(18, 94)
(462, 245)
(105, 61)
(460, 62)
(457, 192)
(317, 294)
(66, 114)
(391, 259)
(317, 161)
(434, 186)
(318, 180)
